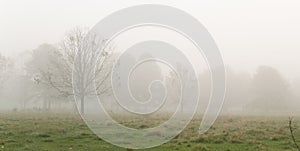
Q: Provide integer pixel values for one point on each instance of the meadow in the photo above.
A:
(28, 131)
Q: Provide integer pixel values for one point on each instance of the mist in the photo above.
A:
(260, 51)
(26, 85)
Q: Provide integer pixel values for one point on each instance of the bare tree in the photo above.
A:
(292, 128)
(40, 62)
(84, 56)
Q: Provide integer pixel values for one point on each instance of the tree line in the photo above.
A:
(45, 74)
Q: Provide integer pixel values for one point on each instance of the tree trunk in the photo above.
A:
(82, 105)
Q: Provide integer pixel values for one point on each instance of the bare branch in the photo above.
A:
(292, 132)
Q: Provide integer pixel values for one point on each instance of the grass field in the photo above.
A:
(65, 132)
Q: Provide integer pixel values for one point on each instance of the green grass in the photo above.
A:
(66, 132)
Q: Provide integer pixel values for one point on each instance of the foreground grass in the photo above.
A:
(65, 132)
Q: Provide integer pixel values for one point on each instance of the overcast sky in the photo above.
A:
(248, 33)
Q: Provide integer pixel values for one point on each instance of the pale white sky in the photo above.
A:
(248, 33)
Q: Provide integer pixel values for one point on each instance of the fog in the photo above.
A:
(260, 48)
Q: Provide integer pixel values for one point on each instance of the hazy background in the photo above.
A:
(249, 33)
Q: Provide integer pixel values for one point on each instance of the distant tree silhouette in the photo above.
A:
(269, 91)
